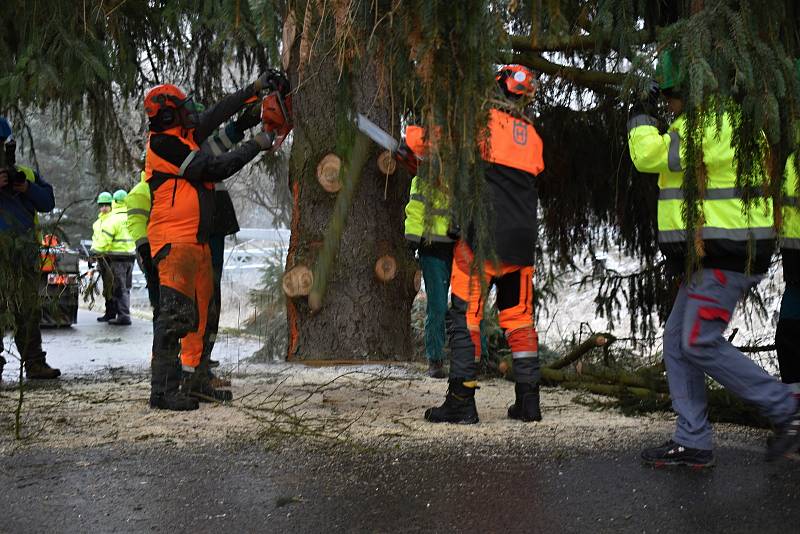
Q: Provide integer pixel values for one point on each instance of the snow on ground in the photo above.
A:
(279, 404)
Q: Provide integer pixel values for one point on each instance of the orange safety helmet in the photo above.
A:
(516, 81)
(163, 96)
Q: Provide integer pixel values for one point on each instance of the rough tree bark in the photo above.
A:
(360, 317)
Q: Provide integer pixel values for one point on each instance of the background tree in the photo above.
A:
(429, 62)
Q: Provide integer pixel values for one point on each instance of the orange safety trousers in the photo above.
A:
(186, 289)
(514, 284)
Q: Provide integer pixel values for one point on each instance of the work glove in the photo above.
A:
(454, 232)
(647, 104)
(264, 140)
(145, 259)
(272, 80)
(249, 117)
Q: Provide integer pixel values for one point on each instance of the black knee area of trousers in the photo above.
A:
(462, 349)
(527, 371)
(508, 290)
(787, 343)
(178, 314)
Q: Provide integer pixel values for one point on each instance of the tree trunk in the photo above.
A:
(359, 316)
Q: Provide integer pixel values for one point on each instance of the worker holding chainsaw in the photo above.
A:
(274, 112)
(512, 153)
(181, 177)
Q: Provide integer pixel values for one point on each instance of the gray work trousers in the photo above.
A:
(121, 286)
(694, 347)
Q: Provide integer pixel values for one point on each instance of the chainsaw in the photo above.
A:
(399, 149)
(276, 107)
(276, 116)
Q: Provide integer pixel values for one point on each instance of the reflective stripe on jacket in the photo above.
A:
(790, 225)
(111, 235)
(138, 202)
(427, 214)
(100, 240)
(726, 230)
(181, 210)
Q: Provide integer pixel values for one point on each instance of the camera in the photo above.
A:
(8, 161)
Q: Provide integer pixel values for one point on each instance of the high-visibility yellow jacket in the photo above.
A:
(110, 233)
(427, 215)
(138, 202)
(727, 228)
(790, 214)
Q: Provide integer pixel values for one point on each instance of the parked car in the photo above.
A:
(60, 283)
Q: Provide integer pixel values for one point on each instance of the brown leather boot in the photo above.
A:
(37, 369)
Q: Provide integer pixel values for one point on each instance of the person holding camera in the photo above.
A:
(23, 194)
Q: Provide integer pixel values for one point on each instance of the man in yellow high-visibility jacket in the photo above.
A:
(114, 245)
(737, 245)
(426, 229)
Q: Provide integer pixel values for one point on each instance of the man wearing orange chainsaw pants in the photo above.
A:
(513, 157)
(181, 179)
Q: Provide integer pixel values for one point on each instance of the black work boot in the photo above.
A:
(198, 386)
(106, 317)
(526, 406)
(37, 369)
(458, 407)
(173, 400)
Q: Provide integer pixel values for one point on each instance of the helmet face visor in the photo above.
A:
(189, 112)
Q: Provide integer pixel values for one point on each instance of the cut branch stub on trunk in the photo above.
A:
(386, 162)
(417, 281)
(297, 281)
(328, 173)
(386, 268)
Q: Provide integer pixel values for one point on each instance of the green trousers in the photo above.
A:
(436, 274)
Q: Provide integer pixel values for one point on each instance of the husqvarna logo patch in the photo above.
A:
(520, 132)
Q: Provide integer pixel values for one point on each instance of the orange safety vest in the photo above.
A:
(512, 142)
(509, 141)
(181, 210)
(46, 254)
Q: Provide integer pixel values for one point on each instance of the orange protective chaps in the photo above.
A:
(514, 284)
(184, 273)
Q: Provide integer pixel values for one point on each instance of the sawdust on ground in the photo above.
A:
(370, 405)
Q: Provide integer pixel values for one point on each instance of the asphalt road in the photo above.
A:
(249, 489)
